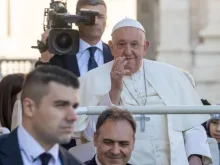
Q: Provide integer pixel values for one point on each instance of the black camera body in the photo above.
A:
(62, 39)
(57, 7)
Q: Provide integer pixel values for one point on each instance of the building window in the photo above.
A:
(5, 18)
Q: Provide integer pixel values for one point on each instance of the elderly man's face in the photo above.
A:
(114, 142)
(214, 129)
(129, 42)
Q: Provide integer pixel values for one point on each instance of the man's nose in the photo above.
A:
(96, 20)
(115, 149)
(71, 115)
(218, 127)
(127, 50)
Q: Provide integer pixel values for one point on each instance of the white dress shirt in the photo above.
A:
(4, 130)
(83, 55)
(31, 149)
(97, 161)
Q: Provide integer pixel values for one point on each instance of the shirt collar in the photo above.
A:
(4, 130)
(84, 45)
(97, 161)
(32, 148)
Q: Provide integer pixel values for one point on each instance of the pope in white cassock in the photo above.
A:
(130, 80)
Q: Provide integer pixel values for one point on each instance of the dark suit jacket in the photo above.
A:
(70, 62)
(93, 162)
(10, 153)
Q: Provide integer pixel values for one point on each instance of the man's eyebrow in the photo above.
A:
(65, 102)
(102, 15)
(215, 120)
(133, 41)
(121, 40)
(119, 141)
(61, 102)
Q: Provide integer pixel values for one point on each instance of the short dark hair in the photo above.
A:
(36, 82)
(10, 86)
(81, 3)
(115, 114)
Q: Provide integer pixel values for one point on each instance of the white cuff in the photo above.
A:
(106, 101)
(196, 143)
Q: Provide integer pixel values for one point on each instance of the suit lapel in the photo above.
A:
(107, 53)
(93, 162)
(10, 150)
(71, 64)
(63, 157)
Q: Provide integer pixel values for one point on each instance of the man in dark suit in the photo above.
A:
(49, 99)
(114, 138)
(92, 52)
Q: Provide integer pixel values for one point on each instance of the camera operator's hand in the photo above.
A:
(45, 56)
(44, 36)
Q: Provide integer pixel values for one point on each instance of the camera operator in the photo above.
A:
(92, 52)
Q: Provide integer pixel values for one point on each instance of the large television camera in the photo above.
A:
(62, 39)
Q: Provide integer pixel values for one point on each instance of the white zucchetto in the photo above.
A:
(128, 22)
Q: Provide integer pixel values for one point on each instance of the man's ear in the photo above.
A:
(110, 44)
(146, 45)
(133, 143)
(29, 107)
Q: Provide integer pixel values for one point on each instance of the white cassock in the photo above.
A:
(166, 139)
